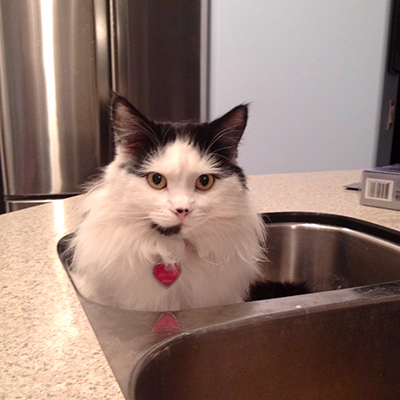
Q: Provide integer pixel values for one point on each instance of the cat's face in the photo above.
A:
(178, 178)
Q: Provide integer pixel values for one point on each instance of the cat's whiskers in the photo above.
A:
(137, 219)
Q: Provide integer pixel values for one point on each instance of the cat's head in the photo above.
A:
(178, 176)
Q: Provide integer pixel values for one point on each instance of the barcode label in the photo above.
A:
(379, 189)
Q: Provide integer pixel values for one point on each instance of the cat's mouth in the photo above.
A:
(167, 231)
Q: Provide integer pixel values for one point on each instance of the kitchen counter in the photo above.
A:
(48, 349)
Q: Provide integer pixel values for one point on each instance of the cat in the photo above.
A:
(170, 224)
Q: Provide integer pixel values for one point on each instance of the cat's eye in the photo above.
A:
(156, 180)
(205, 181)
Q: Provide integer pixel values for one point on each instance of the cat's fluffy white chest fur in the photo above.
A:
(115, 260)
(200, 284)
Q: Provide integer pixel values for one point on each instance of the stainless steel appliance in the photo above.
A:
(60, 59)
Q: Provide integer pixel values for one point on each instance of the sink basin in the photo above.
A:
(335, 353)
(342, 341)
(329, 252)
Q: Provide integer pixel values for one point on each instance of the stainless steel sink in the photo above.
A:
(344, 352)
(340, 342)
(330, 252)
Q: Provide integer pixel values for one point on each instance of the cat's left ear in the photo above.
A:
(132, 130)
(228, 130)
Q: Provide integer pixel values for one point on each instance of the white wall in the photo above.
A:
(313, 72)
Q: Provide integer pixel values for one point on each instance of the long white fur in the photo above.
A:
(218, 248)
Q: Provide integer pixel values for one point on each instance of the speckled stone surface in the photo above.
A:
(318, 192)
(48, 349)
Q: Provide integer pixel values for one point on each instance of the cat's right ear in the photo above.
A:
(130, 127)
(227, 131)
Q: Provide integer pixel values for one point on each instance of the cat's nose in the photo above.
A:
(181, 213)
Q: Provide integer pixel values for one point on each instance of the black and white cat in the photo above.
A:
(170, 225)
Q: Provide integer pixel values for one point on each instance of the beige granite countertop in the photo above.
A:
(48, 349)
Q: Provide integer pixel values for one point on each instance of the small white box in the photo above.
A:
(381, 187)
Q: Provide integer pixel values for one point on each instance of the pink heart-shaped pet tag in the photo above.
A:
(167, 274)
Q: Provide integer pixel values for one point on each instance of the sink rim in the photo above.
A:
(313, 303)
(336, 220)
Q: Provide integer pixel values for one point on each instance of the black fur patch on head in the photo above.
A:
(166, 231)
(141, 138)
